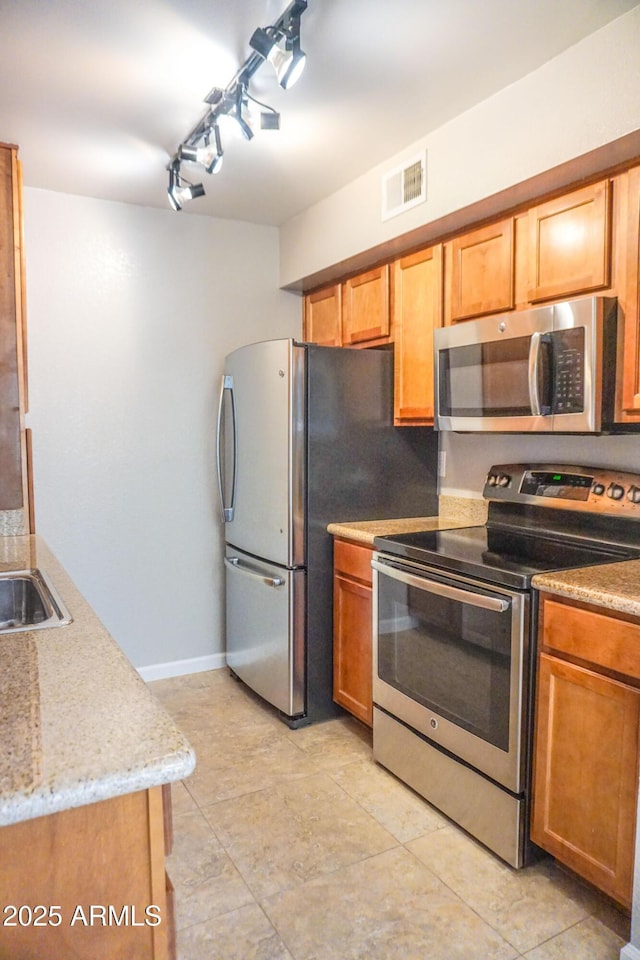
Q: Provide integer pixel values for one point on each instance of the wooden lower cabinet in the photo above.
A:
(586, 749)
(88, 883)
(352, 606)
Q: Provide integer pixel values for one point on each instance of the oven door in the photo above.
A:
(451, 661)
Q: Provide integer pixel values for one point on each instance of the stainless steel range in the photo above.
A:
(454, 627)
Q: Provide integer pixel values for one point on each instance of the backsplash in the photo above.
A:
(12, 523)
(470, 510)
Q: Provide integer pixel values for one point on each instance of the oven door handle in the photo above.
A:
(442, 589)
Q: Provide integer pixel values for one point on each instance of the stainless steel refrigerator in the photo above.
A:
(305, 438)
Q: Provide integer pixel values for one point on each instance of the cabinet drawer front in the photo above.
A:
(353, 559)
(601, 639)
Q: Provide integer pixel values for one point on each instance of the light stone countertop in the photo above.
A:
(454, 512)
(615, 586)
(364, 531)
(77, 722)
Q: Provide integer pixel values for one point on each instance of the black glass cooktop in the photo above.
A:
(510, 558)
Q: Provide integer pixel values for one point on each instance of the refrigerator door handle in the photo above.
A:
(236, 564)
(227, 512)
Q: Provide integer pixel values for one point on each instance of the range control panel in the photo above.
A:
(593, 489)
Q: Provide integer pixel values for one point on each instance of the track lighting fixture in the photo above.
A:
(280, 45)
(181, 190)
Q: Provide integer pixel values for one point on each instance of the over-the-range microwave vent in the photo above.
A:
(404, 186)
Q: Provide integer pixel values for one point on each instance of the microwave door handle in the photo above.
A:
(534, 362)
(227, 512)
(442, 589)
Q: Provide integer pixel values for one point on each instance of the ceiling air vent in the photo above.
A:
(404, 186)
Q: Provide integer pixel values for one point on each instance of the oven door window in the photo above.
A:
(450, 656)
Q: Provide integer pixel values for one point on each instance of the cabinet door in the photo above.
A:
(481, 272)
(105, 857)
(570, 239)
(417, 311)
(352, 611)
(586, 773)
(13, 480)
(365, 307)
(323, 317)
(631, 342)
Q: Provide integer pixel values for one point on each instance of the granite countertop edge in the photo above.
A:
(39, 804)
(614, 586)
(365, 531)
(78, 724)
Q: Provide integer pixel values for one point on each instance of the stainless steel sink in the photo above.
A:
(29, 601)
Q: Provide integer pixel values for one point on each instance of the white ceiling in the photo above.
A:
(99, 93)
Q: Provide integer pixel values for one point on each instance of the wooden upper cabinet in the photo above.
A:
(416, 296)
(14, 492)
(570, 243)
(630, 386)
(481, 271)
(365, 307)
(323, 316)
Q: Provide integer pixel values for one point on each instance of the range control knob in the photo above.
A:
(504, 479)
(598, 489)
(615, 491)
(492, 479)
(633, 494)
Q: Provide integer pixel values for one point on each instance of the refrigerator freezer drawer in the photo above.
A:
(265, 629)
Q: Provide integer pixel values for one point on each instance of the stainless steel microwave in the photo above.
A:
(546, 370)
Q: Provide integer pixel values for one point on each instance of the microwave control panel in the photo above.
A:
(568, 370)
(594, 489)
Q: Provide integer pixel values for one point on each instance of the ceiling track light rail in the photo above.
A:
(278, 44)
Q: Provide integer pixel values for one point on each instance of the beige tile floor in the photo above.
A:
(295, 845)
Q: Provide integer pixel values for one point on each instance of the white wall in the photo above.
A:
(586, 97)
(130, 313)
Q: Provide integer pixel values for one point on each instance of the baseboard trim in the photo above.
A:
(629, 952)
(178, 668)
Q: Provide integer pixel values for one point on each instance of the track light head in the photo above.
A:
(209, 154)
(180, 190)
(282, 51)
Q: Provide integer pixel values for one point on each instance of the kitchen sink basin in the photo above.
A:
(29, 601)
